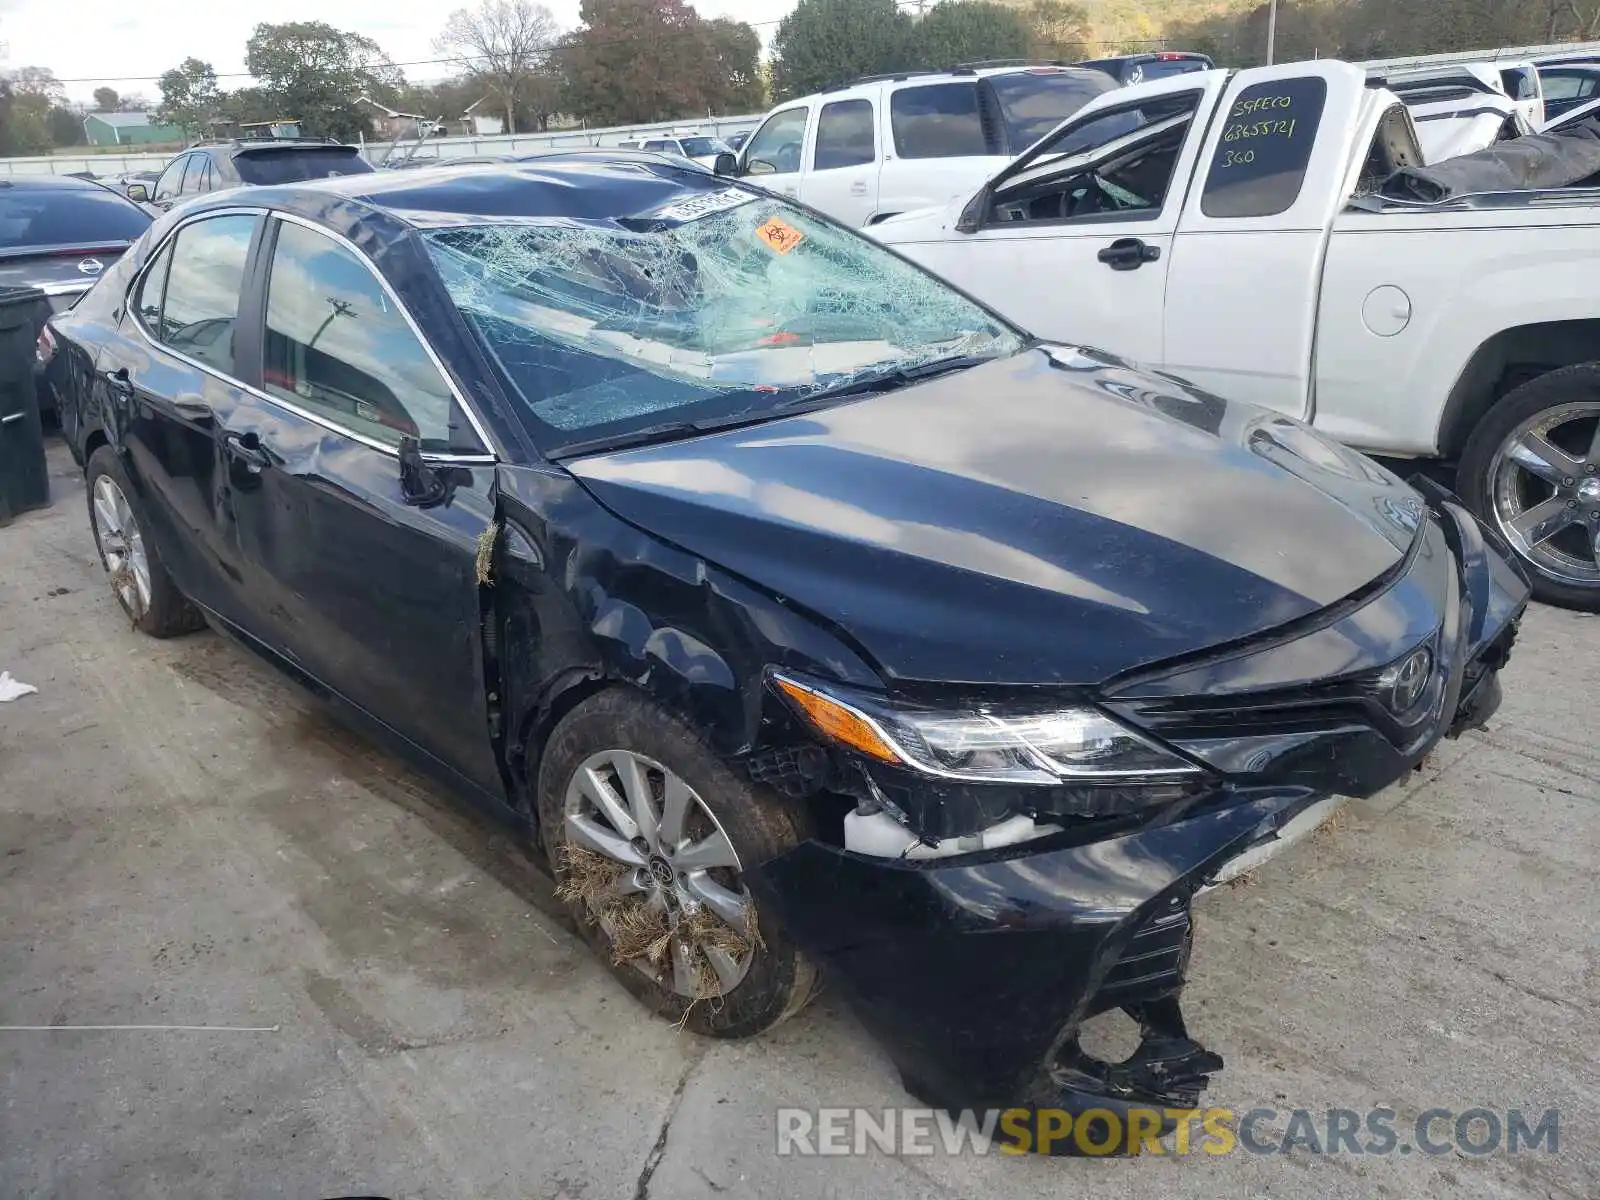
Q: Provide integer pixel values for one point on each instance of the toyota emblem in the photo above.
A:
(1411, 680)
(91, 266)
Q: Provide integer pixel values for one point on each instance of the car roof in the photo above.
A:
(59, 182)
(576, 185)
(950, 74)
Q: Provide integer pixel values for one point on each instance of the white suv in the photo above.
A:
(893, 143)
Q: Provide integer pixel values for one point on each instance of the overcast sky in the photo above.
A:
(103, 40)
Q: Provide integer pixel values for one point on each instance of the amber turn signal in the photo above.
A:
(836, 721)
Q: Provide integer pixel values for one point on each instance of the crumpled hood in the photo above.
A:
(1045, 519)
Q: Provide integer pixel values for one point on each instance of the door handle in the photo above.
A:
(246, 448)
(858, 188)
(1129, 254)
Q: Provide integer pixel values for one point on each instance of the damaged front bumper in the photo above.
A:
(977, 972)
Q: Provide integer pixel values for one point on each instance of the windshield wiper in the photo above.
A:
(671, 431)
(902, 376)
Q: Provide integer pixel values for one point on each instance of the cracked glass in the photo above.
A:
(723, 303)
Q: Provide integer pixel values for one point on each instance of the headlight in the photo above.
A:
(1001, 745)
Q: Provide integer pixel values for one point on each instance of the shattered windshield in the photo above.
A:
(720, 304)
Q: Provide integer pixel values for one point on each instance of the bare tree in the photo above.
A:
(504, 42)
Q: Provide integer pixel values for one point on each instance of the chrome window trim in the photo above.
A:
(460, 459)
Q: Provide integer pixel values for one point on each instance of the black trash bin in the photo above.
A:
(24, 480)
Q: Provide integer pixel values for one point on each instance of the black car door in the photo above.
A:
(169, 379)
(374, 595)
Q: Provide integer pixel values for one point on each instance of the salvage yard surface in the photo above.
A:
(393, 1007)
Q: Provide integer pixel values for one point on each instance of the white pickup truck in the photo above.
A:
(1229, 228)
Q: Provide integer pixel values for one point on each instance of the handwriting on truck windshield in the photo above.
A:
(1271, 122)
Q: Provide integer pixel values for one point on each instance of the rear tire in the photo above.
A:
(139, 580)
(762, 980)
(1531, 470)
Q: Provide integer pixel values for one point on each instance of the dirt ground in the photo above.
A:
(359, 988)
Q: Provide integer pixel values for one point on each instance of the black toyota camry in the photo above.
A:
(804, 612)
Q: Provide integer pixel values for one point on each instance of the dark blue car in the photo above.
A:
(804, 612)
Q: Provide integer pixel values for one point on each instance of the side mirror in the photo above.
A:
(759, 166)
(977, 208)
(420, 484)
(725, 164)
(138, 193)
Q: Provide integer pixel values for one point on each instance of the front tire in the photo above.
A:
(1531, 470)
(139, 580)
(649, 834)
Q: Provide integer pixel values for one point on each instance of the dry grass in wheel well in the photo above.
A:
(639, 932)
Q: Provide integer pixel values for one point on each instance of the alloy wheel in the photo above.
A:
(122, 545)
(669, 896)
(1545, 492)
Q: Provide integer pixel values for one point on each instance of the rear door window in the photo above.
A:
(844, 135)
(939, 120)
(193, 173)
(203, 287)
(1261, 158)
(337, 345)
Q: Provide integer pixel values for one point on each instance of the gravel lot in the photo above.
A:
(189, 841)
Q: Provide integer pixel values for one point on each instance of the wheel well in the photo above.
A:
(1507, 361)
(535, 726)
(93, 442)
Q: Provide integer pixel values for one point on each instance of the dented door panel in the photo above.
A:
(374, 597)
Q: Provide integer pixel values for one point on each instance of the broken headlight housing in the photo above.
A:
(1049, 747)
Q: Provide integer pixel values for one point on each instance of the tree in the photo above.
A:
(962, 31)
(1059, 30)
(106, 99)
(733, 82)
(824, 42)
(637, 60)
(66, 127)
(189, 96)
(541, 99)
(503, 42)
(37, 81)
(315, 74)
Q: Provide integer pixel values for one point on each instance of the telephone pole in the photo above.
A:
(1272, 31)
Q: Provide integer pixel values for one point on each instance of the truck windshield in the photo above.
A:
(1032, 103)
(724, 302)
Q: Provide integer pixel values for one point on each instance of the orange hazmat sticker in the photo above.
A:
(779, 237)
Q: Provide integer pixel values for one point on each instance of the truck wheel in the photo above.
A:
(649, 834)
(139, 580)
(1531, 469)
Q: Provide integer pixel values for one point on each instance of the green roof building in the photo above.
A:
(127, 129)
